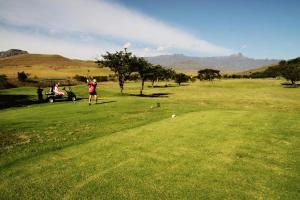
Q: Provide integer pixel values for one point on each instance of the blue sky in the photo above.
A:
(88, 28)
(257, 28)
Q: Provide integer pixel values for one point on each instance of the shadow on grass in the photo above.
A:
(167, 86)
(7, 100)
(154, 95)
(295, 86)
(289, 85)
(104, 102)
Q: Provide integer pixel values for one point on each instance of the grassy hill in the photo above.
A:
(45, 66)
(230, 139)
(258, 69)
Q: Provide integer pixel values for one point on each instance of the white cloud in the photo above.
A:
(104, 19)
(147, 52)
(35, 43)
(160, 48)
(48, 45)
(127, 45)
(244, 46)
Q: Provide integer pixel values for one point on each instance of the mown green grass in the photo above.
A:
(232, 139)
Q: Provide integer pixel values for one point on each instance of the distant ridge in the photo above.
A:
(233, 63)
(45, 66)
(12, 52)
(40, 59)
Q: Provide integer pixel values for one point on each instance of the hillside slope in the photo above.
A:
(45, 66)
(250, 71)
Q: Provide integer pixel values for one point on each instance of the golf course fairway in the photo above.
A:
(230, 139)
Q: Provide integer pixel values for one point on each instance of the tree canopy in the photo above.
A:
(208, 74)
(181, 78)
(144, 69)
(121, 63)
(124, 63)
(290, 70)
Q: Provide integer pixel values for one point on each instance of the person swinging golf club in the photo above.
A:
(92, 90)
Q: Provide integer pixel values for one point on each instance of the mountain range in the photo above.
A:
(233, 63)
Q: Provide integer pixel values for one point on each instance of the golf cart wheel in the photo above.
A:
(73, 99)
(51, 100)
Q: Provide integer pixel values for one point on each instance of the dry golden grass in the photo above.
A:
(45, 66)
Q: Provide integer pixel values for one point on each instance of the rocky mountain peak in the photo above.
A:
(237, 55)
(12, 52)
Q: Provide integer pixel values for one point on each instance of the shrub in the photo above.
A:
(112, 77)
(226, 76)
(3, 77)
(246, 76)
(101, 78)
(193, 79)
(80, 78)
(23, 77)
(4, 84)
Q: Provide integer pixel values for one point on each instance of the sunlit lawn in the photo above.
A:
(230, 139)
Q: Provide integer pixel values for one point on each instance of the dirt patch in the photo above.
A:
(10, 140)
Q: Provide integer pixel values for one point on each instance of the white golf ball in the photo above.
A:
(173, 116)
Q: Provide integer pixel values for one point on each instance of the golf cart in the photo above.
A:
(69, 96)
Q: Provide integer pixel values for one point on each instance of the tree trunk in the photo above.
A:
(141, 91)
(293, 82)
(167, 81)
(121, 84)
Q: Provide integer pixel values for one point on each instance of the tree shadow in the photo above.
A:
(104, 102)
(8, 100)
(167, 86)
(153, 95)
(289, 85)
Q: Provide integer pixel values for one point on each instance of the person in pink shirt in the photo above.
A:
(92, 90)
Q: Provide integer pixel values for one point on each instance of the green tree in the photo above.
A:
(181, 78)
(120, 63)
(168, 74)
(208, 74)
(290, 70)
(156, 73)
(144, 68)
